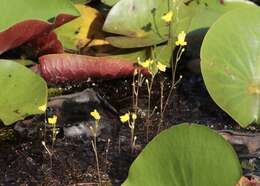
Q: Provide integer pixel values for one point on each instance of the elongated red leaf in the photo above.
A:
(46, 43)
(22, 32)
(60, 68)
(27, 30)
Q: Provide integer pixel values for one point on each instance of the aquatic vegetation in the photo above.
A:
(181, 156)
(130, 119)
(230, 63)
(116, 39)
(94, 130)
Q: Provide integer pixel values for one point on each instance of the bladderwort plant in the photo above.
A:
(181, 43)
(130, 118)
(153, 67)
(138, 79)
(95, 114)
(51, 121)
(107, 149)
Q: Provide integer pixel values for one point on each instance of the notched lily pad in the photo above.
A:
(139, 23)
(180, 156)
(82, 30)
(230, 64)
(208, 11)
(22, 92)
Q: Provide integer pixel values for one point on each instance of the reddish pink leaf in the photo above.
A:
(28, 30)
(46, 43)
(60, 68)
(62, 19)
(22, 32)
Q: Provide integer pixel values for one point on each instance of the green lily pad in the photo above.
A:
(24, 62)
(186, 155)
(131, 55)
(208, 11)
(32, 10)
(22, 92)
(163, 54)
(109, 2)
(230, 64)
(81, 1)
(140, 24)
(79, 32)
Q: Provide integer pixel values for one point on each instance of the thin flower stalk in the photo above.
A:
(95, 114)
(130, 118)
(136, 84)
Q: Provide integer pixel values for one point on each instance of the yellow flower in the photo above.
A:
(167, 17)
(95, 114)
(42, 107)
(161, 67)
(134, 116)
(52, 120)
(124, 118)
(146, 63)
(181, 39)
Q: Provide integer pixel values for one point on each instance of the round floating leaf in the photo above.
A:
(32, 10)
(164, 53)
(81, 1)
(109, 2)
(208, 11)
(186, 155)
(82, 30)
(140, 22)
(231, 64)
(22, 92)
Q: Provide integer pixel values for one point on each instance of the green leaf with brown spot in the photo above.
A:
(23, 92)
(230, 64)
(208, 11)
(139, 22)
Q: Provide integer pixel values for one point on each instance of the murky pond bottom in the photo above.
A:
(24, 160)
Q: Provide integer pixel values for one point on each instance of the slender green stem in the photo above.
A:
(174, 69)
(94, 145)
(148, 122)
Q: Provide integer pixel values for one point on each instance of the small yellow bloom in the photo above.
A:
(134, 116)
(52, 120)
(181, 39)
(146, 63)
(124, 118)
(42, 107)
(168, 17)
(161, 67)
(95, 114)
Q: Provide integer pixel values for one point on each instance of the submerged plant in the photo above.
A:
(181, 42)
(51, 121)
(153, 67)
(138, 79)
(130, 118)
(95, 114)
